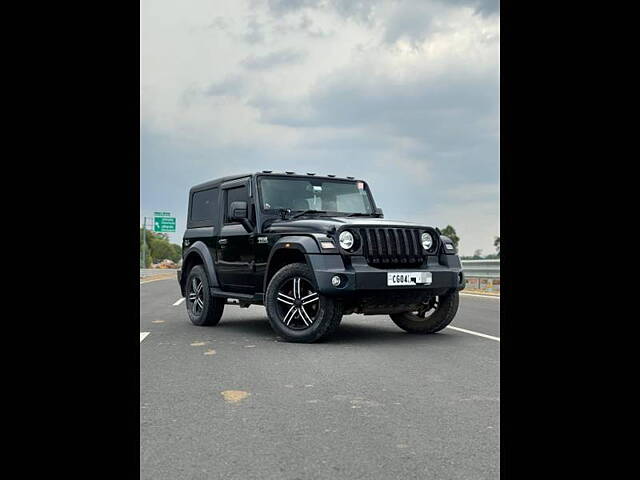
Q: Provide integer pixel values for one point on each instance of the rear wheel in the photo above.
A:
(296, 310)
(437, 313)
(203, 309)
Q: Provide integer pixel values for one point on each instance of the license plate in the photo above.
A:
(408, 278)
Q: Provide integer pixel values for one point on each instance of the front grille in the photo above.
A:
(393, 247)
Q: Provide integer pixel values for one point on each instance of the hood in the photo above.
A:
(325, 224)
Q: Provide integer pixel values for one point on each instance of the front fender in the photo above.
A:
(303, 243)
(306, 245)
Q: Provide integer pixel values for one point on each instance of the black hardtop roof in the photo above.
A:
(218, 181)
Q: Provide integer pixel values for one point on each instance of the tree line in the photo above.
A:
(450, 232)
(158, 248)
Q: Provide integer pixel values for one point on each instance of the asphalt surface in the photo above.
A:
(372, 403)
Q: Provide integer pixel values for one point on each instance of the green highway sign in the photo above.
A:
(164, 224)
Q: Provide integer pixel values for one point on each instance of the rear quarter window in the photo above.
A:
(204, 207)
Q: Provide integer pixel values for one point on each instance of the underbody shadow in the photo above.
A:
(352, 333)
(349, 332)
(248, 326)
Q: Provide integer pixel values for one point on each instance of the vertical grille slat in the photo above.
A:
(405, 242)
(412, 246)
(376, 243)
(389, 243)
(369, 242)
(396, 239)
(402, 243)
(381, 249)
(416, 236)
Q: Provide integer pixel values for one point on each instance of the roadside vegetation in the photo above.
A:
(158, 249)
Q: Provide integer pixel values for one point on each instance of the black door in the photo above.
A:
(236, 254)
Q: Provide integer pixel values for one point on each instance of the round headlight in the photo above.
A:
(346, 240)
(427, 241)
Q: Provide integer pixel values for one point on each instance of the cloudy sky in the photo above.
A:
(403, 93)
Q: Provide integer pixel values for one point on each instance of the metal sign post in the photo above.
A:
(144, 243)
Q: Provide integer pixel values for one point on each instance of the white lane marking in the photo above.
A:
(497, 339)
(178, 302)
(143, 335)
(481, 296)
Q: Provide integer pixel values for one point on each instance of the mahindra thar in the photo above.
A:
(311, 249)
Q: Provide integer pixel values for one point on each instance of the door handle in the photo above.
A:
(222, 241)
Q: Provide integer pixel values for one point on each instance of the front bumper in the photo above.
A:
(360, 277)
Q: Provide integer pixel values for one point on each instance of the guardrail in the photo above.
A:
(482, 275)
(150, 272)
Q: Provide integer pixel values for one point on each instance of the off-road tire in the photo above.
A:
(447, 308)
(328, 315)
(211, 311)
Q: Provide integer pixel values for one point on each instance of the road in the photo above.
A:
(372, 403)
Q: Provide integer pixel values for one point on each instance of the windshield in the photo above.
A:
(300, 194)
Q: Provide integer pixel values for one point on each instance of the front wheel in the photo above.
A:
(436, 314)
(296, 310)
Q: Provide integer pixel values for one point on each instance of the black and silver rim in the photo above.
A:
(195, 298)
(429, 308)
(298, 303)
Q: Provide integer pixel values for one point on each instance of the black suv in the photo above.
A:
(310, 249)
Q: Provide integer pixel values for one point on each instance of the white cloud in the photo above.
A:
(405, 94)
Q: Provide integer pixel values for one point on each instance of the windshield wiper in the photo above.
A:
(360, 214)
(306, 212)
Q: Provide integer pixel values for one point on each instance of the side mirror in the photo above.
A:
(379, 212)
(237, 211)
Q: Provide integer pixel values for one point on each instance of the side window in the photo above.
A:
(236, 194)
(204, 207)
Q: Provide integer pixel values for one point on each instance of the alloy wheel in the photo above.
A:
(196, 296)
(298, 303)
(429, 308)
